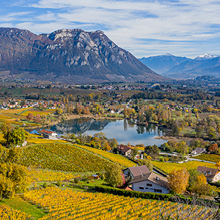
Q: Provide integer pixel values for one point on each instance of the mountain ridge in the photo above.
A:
(70, 55)
(206, 64)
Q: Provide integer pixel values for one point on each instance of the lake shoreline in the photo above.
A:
(71, 117)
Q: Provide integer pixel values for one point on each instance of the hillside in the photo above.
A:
(68, 157)
(162, 63)
(63, 157)
(69, 55)
(182, 67)
(197, 67)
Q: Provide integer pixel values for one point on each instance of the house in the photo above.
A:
(49, 134)
(199, 150)
(124, 150)
(150, 182)
(211, 174)
(131, 172)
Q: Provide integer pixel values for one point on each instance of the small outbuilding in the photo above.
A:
(124, 150)
(198, 150)
(49, 134)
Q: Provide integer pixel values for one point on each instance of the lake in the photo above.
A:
(124, 131)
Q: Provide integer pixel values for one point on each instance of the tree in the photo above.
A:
(175, 129)
(37, 119)
(13, 136)
(218, 165)
(211, 133)
(146, 162)
(30, 116)
(152, 150)
(17, 136)
(113, 175)
(201, 187)
(183, 148)
(6, 129)
(106, 146)
(95, 142)
(213, 148)
(59, 111)
(199, 131)
(86, 111)
(113, 143)
(13, 177)
(178, 180)
(134, 152)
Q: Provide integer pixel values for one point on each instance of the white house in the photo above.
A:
(199, 150)
(150, 182)
(211, 174)
(124, 150)
(49, 134)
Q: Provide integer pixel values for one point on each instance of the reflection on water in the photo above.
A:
(80, 125)
(125, 131)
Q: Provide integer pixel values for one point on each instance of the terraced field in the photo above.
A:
(68, 204)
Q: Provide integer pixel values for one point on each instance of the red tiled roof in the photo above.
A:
(128, 188)
(47, 132)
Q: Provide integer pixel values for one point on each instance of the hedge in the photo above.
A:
(157, 196)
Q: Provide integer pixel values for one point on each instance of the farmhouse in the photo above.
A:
(199, 150)
(131, 172)
(124, 150)
(141, 179)
(211, 174)
(150, 182)
(49, 134)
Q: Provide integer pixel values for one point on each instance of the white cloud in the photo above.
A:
(132, 24)
(13, 16)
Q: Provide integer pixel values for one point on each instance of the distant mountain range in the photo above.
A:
(182, 67)
(71, 56)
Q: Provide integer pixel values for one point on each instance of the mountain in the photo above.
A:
(69, 55)
(162, 63)
(206, 57)
(197, 67)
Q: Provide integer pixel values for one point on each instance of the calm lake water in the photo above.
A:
(123, 130)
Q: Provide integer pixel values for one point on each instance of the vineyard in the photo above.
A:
(49, 175)
(116, 158)
(64, 157)
(7, 213)
(68, 204)
(18, 116)
(209, 157)
(168, 167)
(34, 139)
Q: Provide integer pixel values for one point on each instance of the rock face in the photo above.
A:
(70, 56)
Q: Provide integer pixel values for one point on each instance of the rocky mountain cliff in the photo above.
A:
(70, 56)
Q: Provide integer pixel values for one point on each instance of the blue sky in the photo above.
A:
(180, 27)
